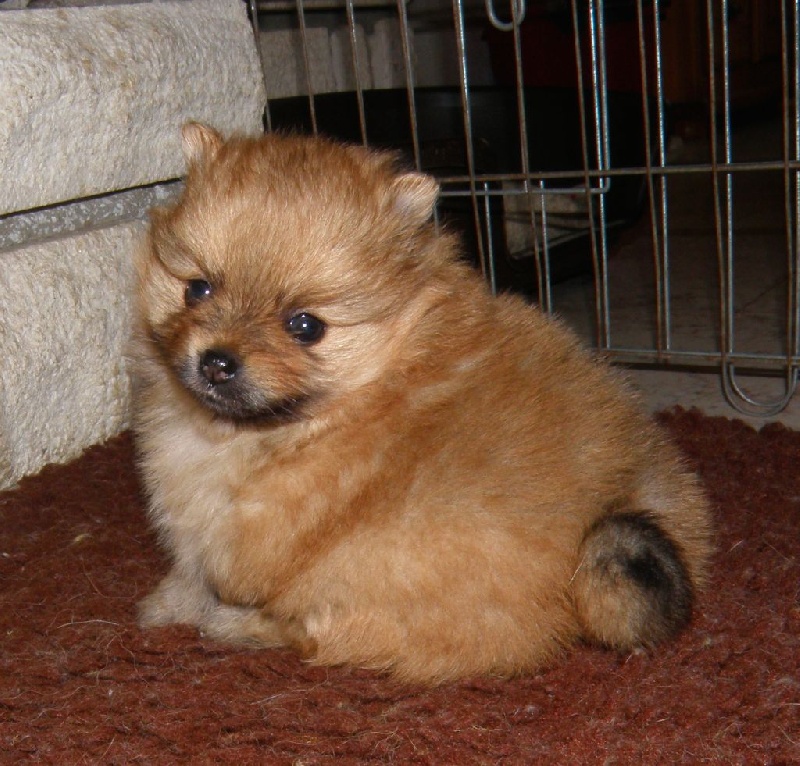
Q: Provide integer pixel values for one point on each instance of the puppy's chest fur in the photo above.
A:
(251, 514)
(190, 482)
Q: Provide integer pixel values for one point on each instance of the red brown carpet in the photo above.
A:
(80, 683)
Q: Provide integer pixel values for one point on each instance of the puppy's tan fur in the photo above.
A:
(419, 490)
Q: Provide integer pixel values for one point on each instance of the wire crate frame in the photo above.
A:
(536, 192)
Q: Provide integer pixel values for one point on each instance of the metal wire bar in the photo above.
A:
(721, 220)
(356, 60)
(602, 314)
(252, 10)
(517, 15)
(741, 360)
(792, 282)
(611, 173)
(540, 255)
(601, 139)
(732, 389)
(301, 20)
(491, 275)
(463, 83)
(793, 190)
(791, 87)
(735, 393)
(658, 200)
(405, 39)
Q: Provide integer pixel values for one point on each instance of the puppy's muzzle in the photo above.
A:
(218, 378)
(218, 366)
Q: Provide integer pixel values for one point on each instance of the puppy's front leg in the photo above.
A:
(180, 597)
(186, 599)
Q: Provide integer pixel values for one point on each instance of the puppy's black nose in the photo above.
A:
(218, 366)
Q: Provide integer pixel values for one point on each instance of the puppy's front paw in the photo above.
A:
(177, 599)
(152, 611)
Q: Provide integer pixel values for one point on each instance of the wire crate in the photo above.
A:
(630, 164)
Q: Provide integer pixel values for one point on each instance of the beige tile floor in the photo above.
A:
(760, 281)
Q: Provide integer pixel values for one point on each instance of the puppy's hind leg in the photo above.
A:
(185, 598)
(254, 627)
(631, 587)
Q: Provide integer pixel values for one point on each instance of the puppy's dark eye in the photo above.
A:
(197, 290)
(305, 328)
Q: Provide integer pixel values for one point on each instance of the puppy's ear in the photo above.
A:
(200, 143)
(414, 196)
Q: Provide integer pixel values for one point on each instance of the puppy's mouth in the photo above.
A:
(219, 382)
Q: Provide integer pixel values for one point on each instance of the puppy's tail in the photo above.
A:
(631, 587)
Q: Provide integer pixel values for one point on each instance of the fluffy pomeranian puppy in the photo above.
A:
(353, 449)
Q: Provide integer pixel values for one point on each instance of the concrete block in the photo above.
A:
(284, 63)
(343, 59)
(387, 60)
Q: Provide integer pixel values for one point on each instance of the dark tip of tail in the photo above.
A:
(631, 588)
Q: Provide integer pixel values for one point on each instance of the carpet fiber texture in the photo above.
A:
(80, 683)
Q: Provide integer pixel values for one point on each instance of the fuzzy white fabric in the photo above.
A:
(92, 99)
(64, 329)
